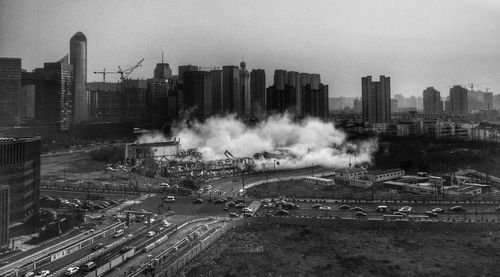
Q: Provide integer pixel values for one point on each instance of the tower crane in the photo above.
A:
(124, 73)
(104, 72)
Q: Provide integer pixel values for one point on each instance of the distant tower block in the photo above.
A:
(78, 58)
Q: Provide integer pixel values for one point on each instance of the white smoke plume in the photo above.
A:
(309, 142)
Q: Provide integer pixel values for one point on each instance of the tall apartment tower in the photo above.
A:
(432, 101)
(216, 91)
(458, 100)
(197, 94)
(258, 92)
(78, 58)
(10, 90)
(376, 99)
(231, 97)
(293, 80)
(161, 100)
(246, 100)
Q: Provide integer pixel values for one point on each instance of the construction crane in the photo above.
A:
(124, 73)
(104, 72)
(471, 85)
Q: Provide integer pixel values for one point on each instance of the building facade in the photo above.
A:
(258, 92)
(197, 94)
(432, 101)
(376, 99)
(10, 91)
(78, 58)
(20, 171)
(246, 99)
(458, 101)
(54, 94)
(231, 97)
(4, 216)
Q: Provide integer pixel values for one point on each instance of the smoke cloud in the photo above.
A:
(305, 143)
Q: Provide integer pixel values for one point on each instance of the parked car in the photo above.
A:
(231, 204)
(356, 209)
(360, 214)
(169, 198)
(198, 201)
(246, 210)
(405, 209)
(325, 208)
(29, 274)
(71, 270)
(344, 207)
(247, 214)
(151, 234)
(457, 209)
(90, 265)
(234, 215)
(240, 205)
(381, 209)
(431, 214)
(42, 273)
(282, 213)
(316, 206)
(399, 213)
(437, 210)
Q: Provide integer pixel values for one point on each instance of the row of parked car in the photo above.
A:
(68, 272)
(403, 211)
(77, 203)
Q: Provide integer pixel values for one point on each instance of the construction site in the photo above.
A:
(167, 159)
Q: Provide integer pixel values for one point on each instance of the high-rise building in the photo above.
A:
(458, 100)
(376, 98)
(315, 101)
(180, 84)
(496, 101)
(216, 91)
(281, 97)
(488, 101)
(197, 94)
(357, 106)
(54, 93)
(133, 107)
(231, 97)
(104, 101)
(78, 58)
(258, 92)
(293, 80)
(20, 170)
(10, 91)
(280, 79)
(161, 97)
(432, 101)
(394, 105)
(4, 216)
(246, 100)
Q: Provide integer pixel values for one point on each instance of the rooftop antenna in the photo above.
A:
(162, 56)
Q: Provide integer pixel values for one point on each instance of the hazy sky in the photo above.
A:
(417, 43)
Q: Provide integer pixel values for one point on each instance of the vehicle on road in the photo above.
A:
(247, 214)
(457, 209)
(169, 198)
(151, 234)
(166, 223)
(42, 273)
(218, 201)
(344, 207)
(90, 265)
(437, 210)
(29, 274)
(290, 206)
(98, 246)
(316, 206)
(325, 208)
(360, 214)
(356, 209)
(151, 220)
(240, 205)
(431, 214)
(400, 213)
(405, 209)
(125, 249)
(198, 201)
(118, 233)
(381, 209)
(234, 215)
(71, 270)
(246, 210)
(282, 213)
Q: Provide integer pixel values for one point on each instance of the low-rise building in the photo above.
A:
(319, 181)
(347, 174)
(418, 188)
(385, 175)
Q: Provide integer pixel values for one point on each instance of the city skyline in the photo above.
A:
(349, 44)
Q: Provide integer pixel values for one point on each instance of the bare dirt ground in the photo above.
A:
(260, 250)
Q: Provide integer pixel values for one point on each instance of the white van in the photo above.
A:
(118, 233)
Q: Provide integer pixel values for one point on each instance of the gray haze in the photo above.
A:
(418, 43)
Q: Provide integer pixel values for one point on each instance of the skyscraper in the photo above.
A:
(231, 97)
(376, 99)
(10, 90)
(458, 100)
(54, 94)
(197, 94)
(432, 101)
(258, 92)
(216, 91)
(78, 58)
(20, 170)
(293, 80)
(280, 79)
(180, 84)
(246, 99)
(160, 108)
